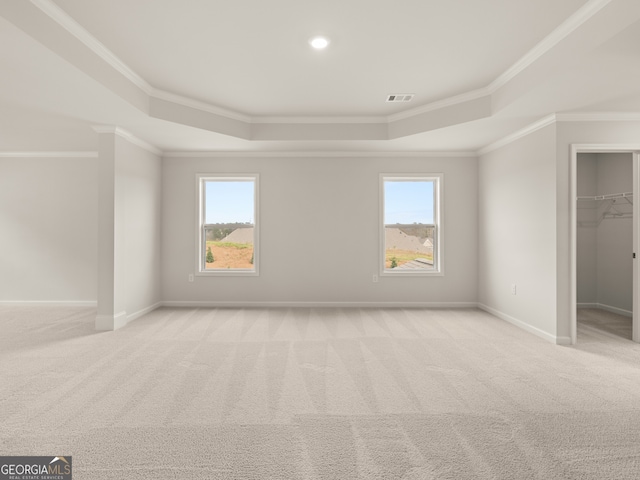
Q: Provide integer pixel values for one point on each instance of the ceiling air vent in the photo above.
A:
(400, 97)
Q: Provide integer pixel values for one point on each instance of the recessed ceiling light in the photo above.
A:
(319, 43)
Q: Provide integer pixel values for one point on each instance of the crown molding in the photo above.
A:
(52, 154)
(129, 137)
(319, 154)
(106, 129)
(198, 105)
(446, 102)
(317, 119)
(523, 132)
(599, 117)
(561, 117)
(566, 28)
(74, 28)
(582, 15)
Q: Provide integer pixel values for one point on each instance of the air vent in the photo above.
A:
(400, 97)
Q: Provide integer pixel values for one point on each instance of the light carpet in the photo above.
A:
(317, 394)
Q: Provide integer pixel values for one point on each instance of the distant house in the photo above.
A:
(240, 235)
(396, 239)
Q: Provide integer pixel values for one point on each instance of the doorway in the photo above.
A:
(604, 266)
(604, 240)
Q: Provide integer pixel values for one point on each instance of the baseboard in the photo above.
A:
(144, 311)
(608, 308)
(114, 322)
(617, 310)
(525, 326)
(111, 322)
(223, 304)
(587, 305)
(213, 304)
(563, 341)
(49, 303)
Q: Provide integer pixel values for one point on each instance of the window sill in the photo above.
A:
(228, 273)
(412, 273)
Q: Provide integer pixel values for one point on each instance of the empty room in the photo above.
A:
(333, 240)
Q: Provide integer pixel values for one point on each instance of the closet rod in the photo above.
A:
(610, 196)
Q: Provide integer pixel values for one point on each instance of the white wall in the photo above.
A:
(319, 232)
(48, 229)
(142, 177)
(517, 232)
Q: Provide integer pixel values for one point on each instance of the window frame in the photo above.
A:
(438, 194)
(201, 179)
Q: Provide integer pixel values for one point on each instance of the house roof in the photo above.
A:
(398, 240)
(240, 235)
(198, 75)
(417, 264)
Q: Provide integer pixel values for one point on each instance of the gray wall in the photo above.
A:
(48, 229)
(517, 231)
(49, 224)
(142, 175)
(319, 232)
(587, 231)
(604, 263)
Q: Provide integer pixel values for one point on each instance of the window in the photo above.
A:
(411, 227)
(228, 225)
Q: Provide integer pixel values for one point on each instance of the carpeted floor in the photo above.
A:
(317, 394)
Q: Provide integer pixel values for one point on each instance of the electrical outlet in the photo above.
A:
(513, 289)
(191, 277)
(375, 278)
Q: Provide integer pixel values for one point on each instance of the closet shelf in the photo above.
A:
(609, 206)
(611, 196)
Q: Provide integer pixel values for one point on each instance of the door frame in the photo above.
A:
(577, 148)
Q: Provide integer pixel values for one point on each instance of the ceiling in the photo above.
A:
(200, 75)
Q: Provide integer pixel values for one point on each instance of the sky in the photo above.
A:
(408, 202)
(229, 202)
(405, 202)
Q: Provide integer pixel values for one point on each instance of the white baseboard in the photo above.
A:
(111, 322)
(144, 311)
(114, 322)
(563, 341)
(617, 310)
(587, 305)
(222, 304)
(49, 303)
(525, 326)
(608, 308)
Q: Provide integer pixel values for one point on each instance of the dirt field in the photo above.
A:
(230, 255)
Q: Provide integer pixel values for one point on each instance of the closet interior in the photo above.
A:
(605, 242)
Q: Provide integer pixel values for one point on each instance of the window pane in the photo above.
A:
(229, 229)
(409, 225)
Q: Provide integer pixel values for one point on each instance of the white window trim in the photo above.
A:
(201, 178)
(438, 255)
